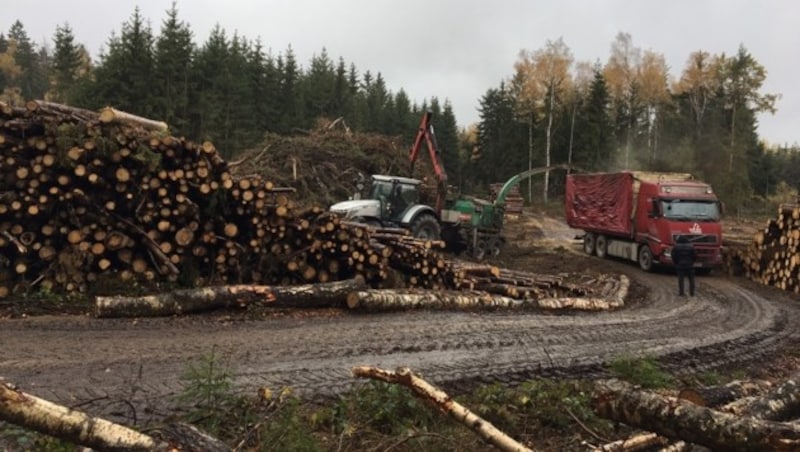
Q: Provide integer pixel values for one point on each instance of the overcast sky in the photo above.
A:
(456, 50)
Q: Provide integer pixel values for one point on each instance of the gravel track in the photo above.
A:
(128, 370)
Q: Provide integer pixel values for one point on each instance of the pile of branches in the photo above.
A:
(325, 166)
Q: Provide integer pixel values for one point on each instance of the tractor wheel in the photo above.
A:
(588, 243)
(426, 227)
(480, 250)
(494, 247)
(645, 258)
(601, 246)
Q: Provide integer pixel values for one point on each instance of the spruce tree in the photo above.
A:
(171, 71)
(447, 140)
(33, 64)
(289, 98)
(594, 144)
(66, 63)
(319, 86)
(209, 80)
(124, 77)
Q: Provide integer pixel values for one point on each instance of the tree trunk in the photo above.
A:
(781, 404)
(547, 146)
(387, 300)
(717, 396)
(318, 295)
(111, 115)
(64, 423)
(642, 441)
(678, 419)
(421, 388)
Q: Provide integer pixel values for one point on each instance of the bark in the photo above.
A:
(781, 404)
(76, 427)
(679, 419)
(190, 438)
(424, 390)
(207, 298)
(111, 115)
(642, 441)
(387, 300)
(717, 396)
(583, 304)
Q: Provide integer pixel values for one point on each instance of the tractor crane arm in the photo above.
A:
(426, 133)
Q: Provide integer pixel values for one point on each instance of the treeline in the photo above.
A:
(631, 113)
(228, 89)
(628, 112)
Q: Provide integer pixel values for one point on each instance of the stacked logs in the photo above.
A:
(89, 198)
(86, 196)
(773, 258)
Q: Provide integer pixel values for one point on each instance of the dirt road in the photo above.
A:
(127, 370)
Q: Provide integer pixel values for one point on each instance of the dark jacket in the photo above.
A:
(683, 255)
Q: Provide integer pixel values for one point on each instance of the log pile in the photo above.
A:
(741, 415)
(773, 257)
(86, 196)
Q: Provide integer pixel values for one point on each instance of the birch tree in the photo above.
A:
(654, 93)
(699, 83)
(545, 72)
(622, 78)
(581, 87)
(527, 94)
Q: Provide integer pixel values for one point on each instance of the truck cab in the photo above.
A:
(679, 208)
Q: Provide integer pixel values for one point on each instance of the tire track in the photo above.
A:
(133, 367)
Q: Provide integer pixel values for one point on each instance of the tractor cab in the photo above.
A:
(385, 201)
(395, 195)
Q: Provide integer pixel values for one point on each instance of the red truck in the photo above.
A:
(639, 216)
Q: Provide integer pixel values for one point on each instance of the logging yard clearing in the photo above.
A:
(136, 230)
(127, 369)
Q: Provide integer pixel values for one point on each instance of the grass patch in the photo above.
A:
(642, 371)
(545, 414)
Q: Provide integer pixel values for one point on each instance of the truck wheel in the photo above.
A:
(645, 258)
(426, 227)
(588, 243)
(601, 246)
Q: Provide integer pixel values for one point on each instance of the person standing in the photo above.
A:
(683, 256)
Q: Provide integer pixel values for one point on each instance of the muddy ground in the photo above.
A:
(128, 369)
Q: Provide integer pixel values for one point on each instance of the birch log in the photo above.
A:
(61, 422)
(780, 404)
(112, 115)
(421, 388)
(642, 441)
(388, 299)
(185, 301)
(679, 419)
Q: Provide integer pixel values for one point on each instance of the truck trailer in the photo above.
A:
(640, 215)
